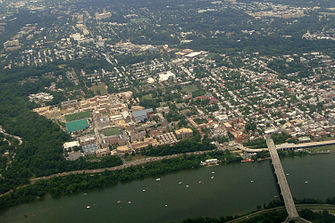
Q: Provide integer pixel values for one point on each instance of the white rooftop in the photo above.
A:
(70, 144)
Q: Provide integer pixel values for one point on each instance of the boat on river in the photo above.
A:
(210, 162)
(247, 160)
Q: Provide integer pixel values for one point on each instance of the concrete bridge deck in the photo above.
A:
(283, 184)
(291, 146)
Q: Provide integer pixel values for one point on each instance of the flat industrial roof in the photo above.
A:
(141, 112)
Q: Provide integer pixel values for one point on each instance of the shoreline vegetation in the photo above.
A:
(75, 183)
(313, 212)
(58, 186)
(232, 69)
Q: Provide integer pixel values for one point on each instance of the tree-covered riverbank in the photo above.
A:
(234, 190)
(70, 184)
(60, 186)
(313, 210)
(275, 216)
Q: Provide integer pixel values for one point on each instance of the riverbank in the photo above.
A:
(58, 185)
(217, 153)
(234, 190)
(52, 184)
(123, 166)
(277, 214)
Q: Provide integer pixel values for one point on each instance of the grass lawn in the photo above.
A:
(77, 116)
(136, 157)
(99, 89)
(147, 97)
(190, 88)
(321, 148)
(111, 131)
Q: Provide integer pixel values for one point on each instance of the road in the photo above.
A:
(13, 136)
(94, 171)
(126, 165)
(283, 184)
(315, 207)
(96, 131)
(290, 146)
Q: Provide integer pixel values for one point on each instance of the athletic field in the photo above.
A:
(77, 125)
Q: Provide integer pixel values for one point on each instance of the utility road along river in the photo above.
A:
(209, 191)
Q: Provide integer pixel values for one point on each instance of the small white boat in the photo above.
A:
(165, 205)
(213, 172)
(212, 177)
(306, 182)
(287, 174)
(85, 194)
(158, 179)
(187, 186)
(129, 202)
(119, 202)
(199, 181)
(251, 181)
(88, 207)
(180, 182)
(143, 190)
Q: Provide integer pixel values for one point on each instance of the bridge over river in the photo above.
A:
(283, 184)
(288, 146)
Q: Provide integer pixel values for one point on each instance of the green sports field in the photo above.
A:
(77, 116)
(77, 125)
(111, 131)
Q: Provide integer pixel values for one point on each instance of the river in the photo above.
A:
(235, 189)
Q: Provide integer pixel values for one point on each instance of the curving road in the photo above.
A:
(315, 207)
(289, 146)
(13, 136)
